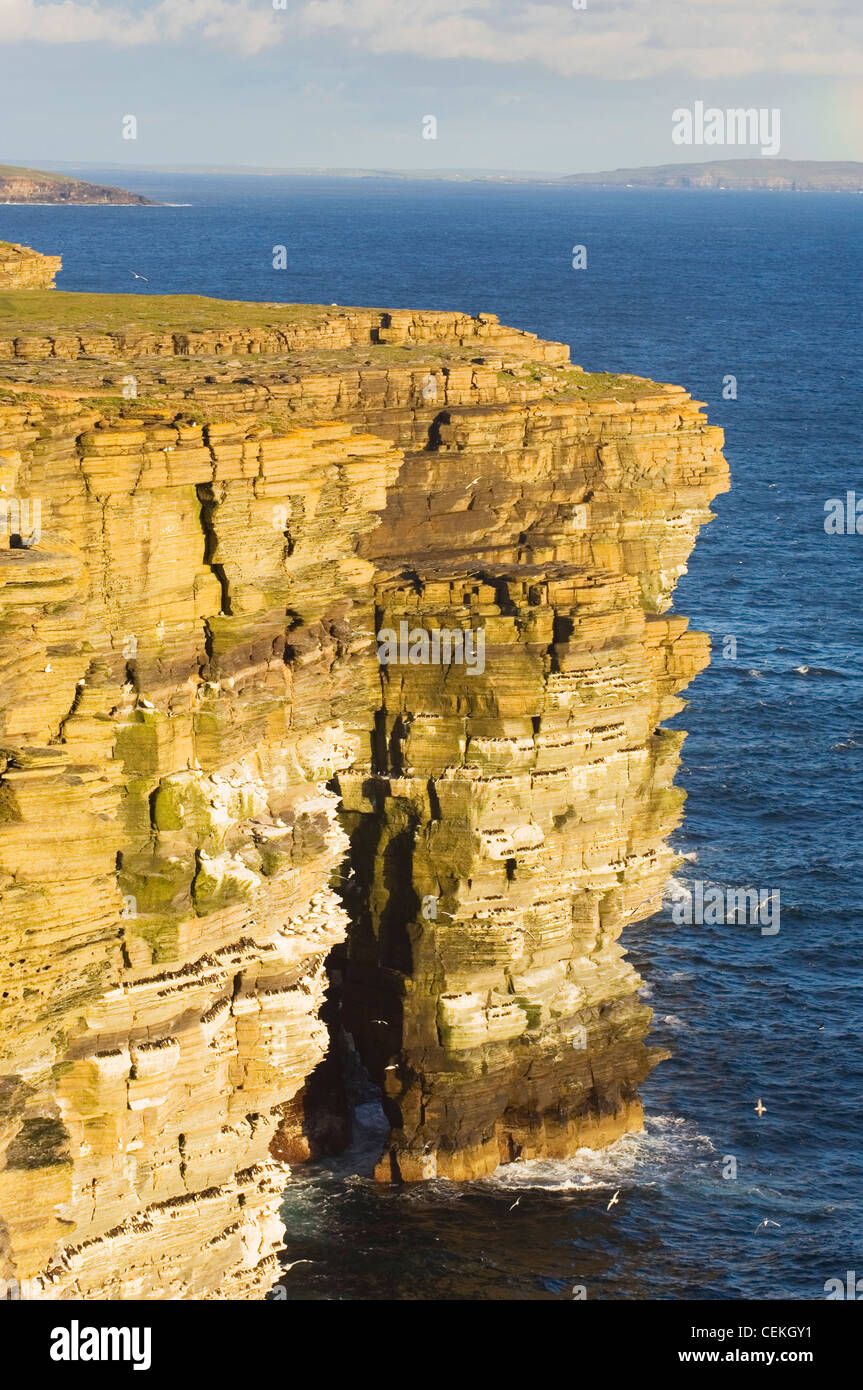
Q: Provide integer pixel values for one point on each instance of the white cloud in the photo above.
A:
(617, 39)
(611, 38)
(247, 26)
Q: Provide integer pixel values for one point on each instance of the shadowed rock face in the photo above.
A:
(209, 784)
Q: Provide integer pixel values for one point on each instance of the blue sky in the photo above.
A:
(513, 84)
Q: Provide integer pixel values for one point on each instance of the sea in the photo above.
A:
(752, 301)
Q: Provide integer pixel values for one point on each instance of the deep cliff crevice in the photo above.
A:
(235, 537)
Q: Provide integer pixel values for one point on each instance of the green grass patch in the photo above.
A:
(58, 311)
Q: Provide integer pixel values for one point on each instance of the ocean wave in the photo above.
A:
(667, 1145)
(674, 889)
(826, 671)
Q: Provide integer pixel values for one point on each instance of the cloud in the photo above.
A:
(611, 38)
(616, 39)
(246, 26)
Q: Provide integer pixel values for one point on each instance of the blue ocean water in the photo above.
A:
(684, 287)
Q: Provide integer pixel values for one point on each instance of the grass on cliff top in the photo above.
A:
(17, 171)
(58, 311)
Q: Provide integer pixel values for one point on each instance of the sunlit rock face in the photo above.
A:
(24, 269)
(210, 786)
(517, 815)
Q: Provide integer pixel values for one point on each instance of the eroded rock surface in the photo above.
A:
(206, 775)
(21, 268)
(18, 185)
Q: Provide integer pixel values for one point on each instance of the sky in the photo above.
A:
(527, 85)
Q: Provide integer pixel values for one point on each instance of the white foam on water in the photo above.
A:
(675, 889)
(666, 1145)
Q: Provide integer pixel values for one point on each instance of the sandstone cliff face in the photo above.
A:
(209, 785)
(24, 269)
(19, 185)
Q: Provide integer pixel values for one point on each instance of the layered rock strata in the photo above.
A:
(209, 785)
(24, 269)
(19, 185)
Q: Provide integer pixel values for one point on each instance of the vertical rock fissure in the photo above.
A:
(209, 503)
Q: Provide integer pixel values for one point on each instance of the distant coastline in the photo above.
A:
(24, 187)
(733, 175)
(721, 175)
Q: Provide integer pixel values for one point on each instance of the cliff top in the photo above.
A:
(9, 250)
(22, 268)
(12, 171)
(20, 185)
(159, 359)
(147, 313)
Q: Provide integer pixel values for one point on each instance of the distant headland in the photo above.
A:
(778, 175)
(38, 186)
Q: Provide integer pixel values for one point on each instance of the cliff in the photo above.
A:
(24, 269)
(775, 175)
(216, 803)
(19, 185)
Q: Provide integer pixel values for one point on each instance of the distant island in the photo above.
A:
(37, 186)
(783, 175)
